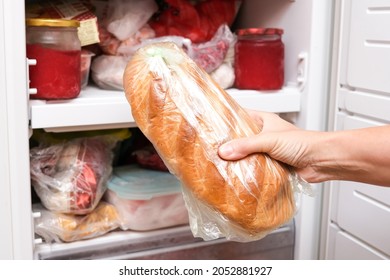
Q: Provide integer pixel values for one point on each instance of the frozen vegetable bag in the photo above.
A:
(187, 116)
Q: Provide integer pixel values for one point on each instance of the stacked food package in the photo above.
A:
(86, 184)
(201, 28)
(69, 175)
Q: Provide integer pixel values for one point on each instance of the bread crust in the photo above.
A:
(187, 116)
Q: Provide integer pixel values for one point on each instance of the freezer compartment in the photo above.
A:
(171, 243)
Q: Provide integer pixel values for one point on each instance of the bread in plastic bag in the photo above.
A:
(71, 176)
(187, 116)
(60, 227)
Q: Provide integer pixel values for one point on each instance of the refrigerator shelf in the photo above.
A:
(95, 108)
(171, 243)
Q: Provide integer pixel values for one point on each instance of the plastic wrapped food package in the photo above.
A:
(70, 177)
(148, 158)
(68, 228)
(205, 17)
(187, 116)
(107, 71)
(145, 199)
(86, 58)
(211, 54)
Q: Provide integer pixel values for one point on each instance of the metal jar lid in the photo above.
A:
(259, 31)
(52, 22)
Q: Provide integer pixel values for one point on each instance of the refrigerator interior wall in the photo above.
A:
(16, 230)
(358, 224)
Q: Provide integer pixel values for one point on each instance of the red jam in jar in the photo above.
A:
(55, 45)
(259, 59)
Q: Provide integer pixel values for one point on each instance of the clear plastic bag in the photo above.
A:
(126, 17)
(211, 54)
(107, 71)
(145, 199)
(187, 116)
(70, 177)
(68, 228)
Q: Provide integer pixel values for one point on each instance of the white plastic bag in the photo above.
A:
(126, 17)
(107, 71)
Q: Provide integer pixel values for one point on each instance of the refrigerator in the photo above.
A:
(337, 60)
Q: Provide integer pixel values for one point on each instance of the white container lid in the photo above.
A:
(135, 183)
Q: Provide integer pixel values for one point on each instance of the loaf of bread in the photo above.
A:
(187, 116)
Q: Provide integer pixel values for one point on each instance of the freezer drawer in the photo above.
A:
(361, 104)
(366, 46)
(172, 243)
(360, 209)
(347, 247)
(364, 211)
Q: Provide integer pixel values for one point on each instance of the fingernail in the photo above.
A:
(226, 150)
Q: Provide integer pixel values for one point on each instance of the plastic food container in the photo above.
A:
(86, 57)
(146, 199)
(55, 45)
(259, 59)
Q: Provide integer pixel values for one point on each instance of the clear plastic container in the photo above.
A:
(55, 45)
(146, 199)
(259, 59)
(86, 57)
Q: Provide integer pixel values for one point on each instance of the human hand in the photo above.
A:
(360, 155)
(279, 139)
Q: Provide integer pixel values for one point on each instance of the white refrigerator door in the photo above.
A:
(358, 217)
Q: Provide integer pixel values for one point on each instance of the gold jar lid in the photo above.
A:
(52, 22)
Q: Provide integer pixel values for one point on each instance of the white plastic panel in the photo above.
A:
(365, 104)
(95, 108)
(364, 211)
(358, 225)
(6, 251)
(346, 121)
(368, 51)
(349, 248)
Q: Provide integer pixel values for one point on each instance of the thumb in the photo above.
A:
(240, 148)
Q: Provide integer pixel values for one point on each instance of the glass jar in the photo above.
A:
(259, 59)
(55, 45)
